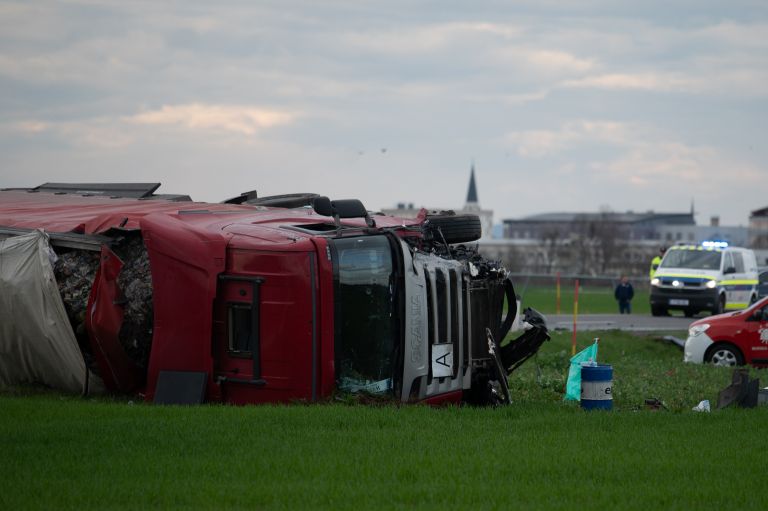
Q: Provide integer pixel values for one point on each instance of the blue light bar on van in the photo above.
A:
(714, 244)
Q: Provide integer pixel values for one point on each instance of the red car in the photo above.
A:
(262, 299)
(734, 338)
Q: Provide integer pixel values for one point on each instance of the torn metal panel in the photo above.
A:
(103, 321)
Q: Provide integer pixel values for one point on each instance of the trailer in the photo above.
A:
(265, 300)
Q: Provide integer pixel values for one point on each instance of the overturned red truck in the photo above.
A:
(275, 299)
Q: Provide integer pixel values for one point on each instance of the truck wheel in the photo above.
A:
(454, 228)
(720, 307)
(724, 355)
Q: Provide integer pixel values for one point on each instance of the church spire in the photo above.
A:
(472, 192)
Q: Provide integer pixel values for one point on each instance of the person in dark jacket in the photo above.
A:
(624, 294)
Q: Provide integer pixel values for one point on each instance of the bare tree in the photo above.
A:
(551, 241)
(606, 234)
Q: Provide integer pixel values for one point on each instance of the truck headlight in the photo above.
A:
(698, 329)
(712, 284)
(655, 281)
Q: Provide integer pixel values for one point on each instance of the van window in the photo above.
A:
(693, 259)
(738, 262)
(727, 261)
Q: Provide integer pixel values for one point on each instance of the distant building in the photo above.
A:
(601, 243)
(471, 207)
(625, 226)
(758, 228)
(605, 242)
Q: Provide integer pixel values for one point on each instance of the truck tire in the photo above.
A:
(454, 228)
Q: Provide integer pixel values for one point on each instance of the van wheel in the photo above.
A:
(453, 228)
(724, 355)
(720, 307)
(753, 299)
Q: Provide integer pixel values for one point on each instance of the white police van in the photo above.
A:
(710, 277)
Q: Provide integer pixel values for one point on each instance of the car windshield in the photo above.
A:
(366, 326)
(693, 259)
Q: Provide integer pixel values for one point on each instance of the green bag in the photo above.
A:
(573, 386)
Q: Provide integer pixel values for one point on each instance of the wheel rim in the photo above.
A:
(723, 358)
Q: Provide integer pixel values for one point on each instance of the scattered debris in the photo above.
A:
(655, 404)
(680, 343)
(135, 281)
(742, 391)
(75, 271)
(703, 406)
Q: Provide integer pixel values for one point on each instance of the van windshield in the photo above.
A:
(366, 325)
(693, 259)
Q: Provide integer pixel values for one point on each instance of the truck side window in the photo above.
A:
(239, 328)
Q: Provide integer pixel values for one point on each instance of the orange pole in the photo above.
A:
(557, 294)
(575, 315)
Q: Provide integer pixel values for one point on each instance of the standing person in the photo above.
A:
(624, 294)
(656, 261)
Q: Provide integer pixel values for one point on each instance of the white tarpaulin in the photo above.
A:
(36, 340)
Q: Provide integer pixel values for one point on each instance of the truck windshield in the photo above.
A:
(693, 259)
(366, 330)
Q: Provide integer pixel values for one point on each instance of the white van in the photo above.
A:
(708, 277)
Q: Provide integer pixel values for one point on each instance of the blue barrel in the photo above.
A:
(597, 387)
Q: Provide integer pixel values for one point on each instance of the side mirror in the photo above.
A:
(349, 208)
(728, 270)
(757, 315)
(322, 206)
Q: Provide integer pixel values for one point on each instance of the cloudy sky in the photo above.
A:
(562, 106)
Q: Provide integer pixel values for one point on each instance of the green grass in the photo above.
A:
(592, 300)
(644, 366)
(540, 453)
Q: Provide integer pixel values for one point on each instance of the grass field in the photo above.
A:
(592, 300)
(540, 453)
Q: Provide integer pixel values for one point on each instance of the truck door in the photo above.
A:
(266, 343)
(237, 323)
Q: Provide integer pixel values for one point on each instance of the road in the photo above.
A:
(635, 322)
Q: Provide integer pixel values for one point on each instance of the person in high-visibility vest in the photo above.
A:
(656, 261)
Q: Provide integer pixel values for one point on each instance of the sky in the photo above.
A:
(561, 106)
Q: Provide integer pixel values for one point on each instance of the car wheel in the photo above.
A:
(454, 228)
(725, 355)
